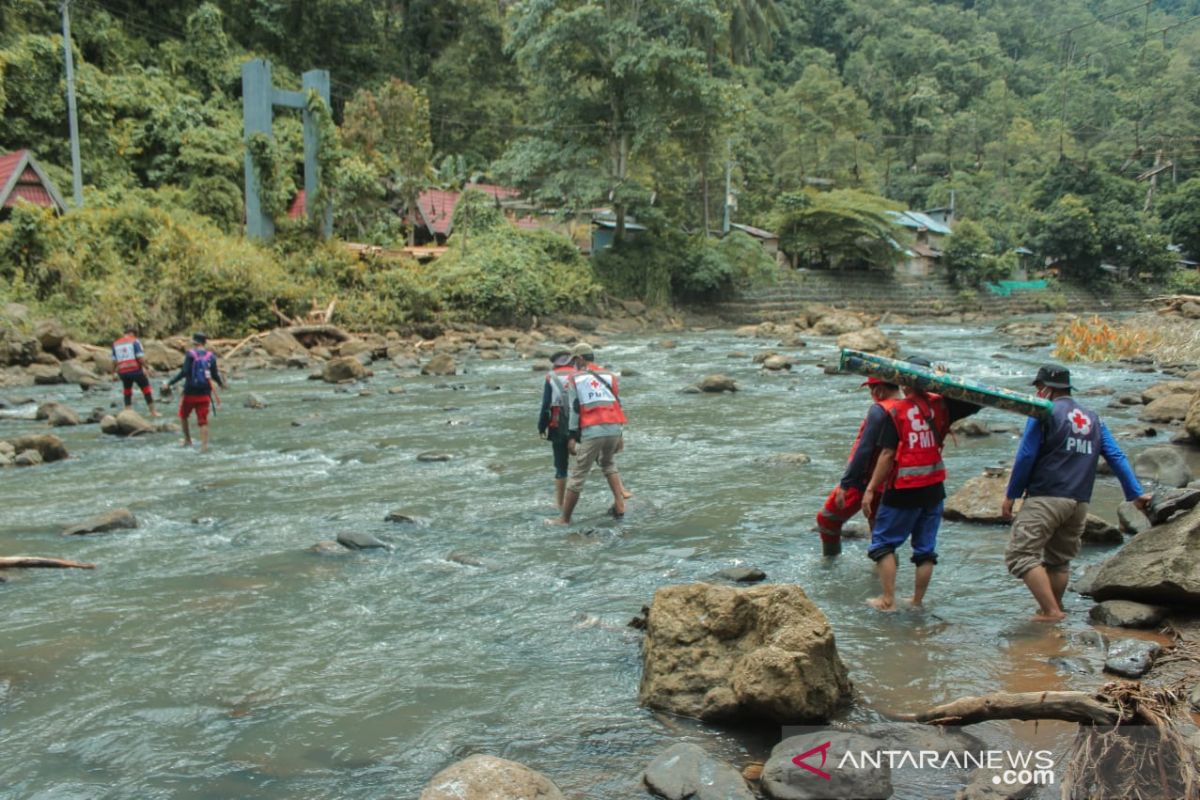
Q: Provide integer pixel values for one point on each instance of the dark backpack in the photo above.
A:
(201, 364)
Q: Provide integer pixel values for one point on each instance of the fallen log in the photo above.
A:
(14, 562)
(332, 331)
(1066, 706)
(243, 343)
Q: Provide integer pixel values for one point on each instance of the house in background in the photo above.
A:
(22, 179)
(768, 240)
(922, 256)
(604, 230)
(434, 220)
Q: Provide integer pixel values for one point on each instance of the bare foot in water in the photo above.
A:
(1056, 616)
(185, 442)
(155, 414)
(881, 603)
(556, 521)
(917, 604)
(626, 494)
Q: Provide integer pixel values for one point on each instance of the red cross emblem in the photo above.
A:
(595, 383)
(1080, 423)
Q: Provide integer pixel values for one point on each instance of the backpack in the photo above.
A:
(201, 363)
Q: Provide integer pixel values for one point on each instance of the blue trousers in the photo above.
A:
(894, 525)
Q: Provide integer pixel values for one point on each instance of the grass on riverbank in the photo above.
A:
(1168, 339)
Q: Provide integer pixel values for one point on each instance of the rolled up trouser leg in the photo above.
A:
(833, 515)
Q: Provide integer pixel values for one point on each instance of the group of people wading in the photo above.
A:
(199, 372)
(896, 477)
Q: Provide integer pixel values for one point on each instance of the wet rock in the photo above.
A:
(281, 344)
(784, 779)
(342, 369)
(1071, 666)
(354, 348)
(50, 447)
(432, 457)
(127, 423)
(868, 340)
(971, 427)
(1127, 614)
(1172, 408)
(837, 324)
(46, 374)
(1127, 400)
(1098, 391)
(255, 400)
(1166, 504)
(1168, 388)
(776, 363)
(1159, 566)
(789, 459)
(117, 519)
(356, 540)
(328, 548)
(740, 574)
(440, 364)
(720, 653)
(629, 372)
(686, 772)
(400, 517)
(27, 458)
(74, 372)
(1164, 465)
(396, 390)
(1131, 658)
(1099, 531)
(979, 499)
(1130, 519)
(62, 416)
(483, 777)
(466, 559)
(716, 384)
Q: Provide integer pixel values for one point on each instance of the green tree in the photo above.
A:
(1180, 213)
(967, 255)
(844, 228)
(1067, 231)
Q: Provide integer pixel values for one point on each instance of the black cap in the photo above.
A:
(199, 338)
(920, 361)
(1053, 376)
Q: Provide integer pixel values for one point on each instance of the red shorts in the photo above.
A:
(199, 404)
(834, 515)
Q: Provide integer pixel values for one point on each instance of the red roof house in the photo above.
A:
(22, 179)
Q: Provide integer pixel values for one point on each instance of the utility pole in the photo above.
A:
(728, 187)
(73, 122)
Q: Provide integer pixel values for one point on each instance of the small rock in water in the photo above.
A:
(434, 457)
(1165, 504)
(28, 458)
(1131, 658)
(355, 540)
(399, 516)
(255, 400)
(790, 459)
(1072, 666)
(466, 559)
(1098, 531)
(120, 518)
(741, 574)
(685, 771)
(1127, 614)
(396, 390)
(328, 548)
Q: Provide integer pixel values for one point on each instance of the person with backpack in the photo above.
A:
(198, 372)
(129, 361)
(910, 471)
(554, 419)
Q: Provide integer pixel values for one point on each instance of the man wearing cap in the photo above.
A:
(596, 427)
(846, 498)
(554, 419)
(912, 475)
(1054, 470)
(198, 372)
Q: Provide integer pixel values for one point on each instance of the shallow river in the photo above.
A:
(211, 656)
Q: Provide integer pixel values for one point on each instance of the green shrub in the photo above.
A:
(1184, 282)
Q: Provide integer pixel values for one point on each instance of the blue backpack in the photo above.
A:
(201, 364)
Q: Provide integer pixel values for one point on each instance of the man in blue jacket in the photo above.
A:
(1054, 471)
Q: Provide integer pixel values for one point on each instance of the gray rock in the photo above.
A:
(1130, 519)
(46, 374)
(783, 779)
(433, 457)
(1098, 531)
(1160, 566)
(971, 427)
(50, 334)
(396, 390)
(483, 777)
(1127, 614)
(1165, 505)
(440, 364)
(466, 559)
(686, 772)
(1170, 408)
(789, 459)
(1194, 697)
(117, 519)
(741, 574)
(342, 369)
(328, 548)
(255, 400)
(776, 363)
(979, 499)
(1131, 658)
(400, 516)
(127, 423)
(27, 458)
(63, 416)
(1164, 465)
(356, 540)
(50, 447)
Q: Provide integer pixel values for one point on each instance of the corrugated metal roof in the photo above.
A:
(298, 208)
(22, 179)
(918, 221)
(753, 231)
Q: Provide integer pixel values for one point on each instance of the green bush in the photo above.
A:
(1184, 281)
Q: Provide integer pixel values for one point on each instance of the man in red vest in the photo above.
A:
(596, 430)
(911, 473)
(129, 361)
(846, 499)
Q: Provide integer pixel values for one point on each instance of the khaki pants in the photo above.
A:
(601, 450)
(1046, 532)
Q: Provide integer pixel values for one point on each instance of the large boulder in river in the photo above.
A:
(50, 334)
(784, 777)
(117, 519)
(1164, 465)
(868, 340)
(126, 423)
(979, 499)
(342, 369)
(161, 356)
(685, 771)
(50, 447)
(483, 777)
(715, 384)
(282, 344)
(1159, 566)
(720, 653)
(1166, 409)
(1191, 421)
(440, 364)
(75, 372)
(17, 349)
(1168, 388)
(837, 323)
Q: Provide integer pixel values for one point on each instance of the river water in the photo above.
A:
(210, 655)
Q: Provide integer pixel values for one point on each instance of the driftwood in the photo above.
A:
(12, 562)
(1172, 302)
(332, 331)
(243, 343)
(1067, 706)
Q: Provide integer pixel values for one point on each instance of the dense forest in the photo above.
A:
(1070, 128)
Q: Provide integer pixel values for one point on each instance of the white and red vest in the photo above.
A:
(125, 355)
(557, 378)
(597, 390)
(922, 422)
